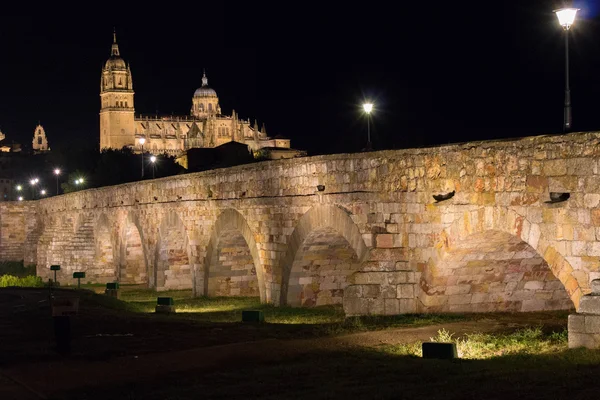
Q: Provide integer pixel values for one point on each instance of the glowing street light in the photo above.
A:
(142, 141)
(57, 173)
(566, 18)
(33, 182)
(368, 107)
(20, 198)
(43, 192)
(19, 188)
(153, 161)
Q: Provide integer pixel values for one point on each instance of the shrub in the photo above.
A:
(27, 281)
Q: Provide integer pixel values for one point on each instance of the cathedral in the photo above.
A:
(205, 127)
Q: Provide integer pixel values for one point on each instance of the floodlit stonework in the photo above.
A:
(40, 141)
(374, 239)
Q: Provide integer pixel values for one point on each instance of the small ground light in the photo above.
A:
(43, 192)
(20, 198)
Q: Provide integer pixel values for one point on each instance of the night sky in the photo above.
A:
(437, 72)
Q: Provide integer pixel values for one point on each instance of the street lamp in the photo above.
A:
(153, 161)
(33, 182)
(43, 192)
(57, 173)
(20, 198)
(142, 141)
(368, 107)
(566, 18)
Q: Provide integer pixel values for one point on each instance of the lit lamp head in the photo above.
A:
(19, 188)
(153, 159)
(142, 141)
(566, 16)
(368, 107)
(57, 171)
(20, 198)
(43, 192)
(33, 181)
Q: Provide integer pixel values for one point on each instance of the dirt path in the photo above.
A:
(57, 377)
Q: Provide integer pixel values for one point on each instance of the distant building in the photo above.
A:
(205, 127)
(40, 141)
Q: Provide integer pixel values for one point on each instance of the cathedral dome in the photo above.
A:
(205, 91)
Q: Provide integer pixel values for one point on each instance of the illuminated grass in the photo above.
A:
(326, 319)
(478, 346)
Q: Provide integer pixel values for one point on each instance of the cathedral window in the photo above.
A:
(39, 140)
(125, 104)
(201, 107)
(209, 106)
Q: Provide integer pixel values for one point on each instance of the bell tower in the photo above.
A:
(116, 102)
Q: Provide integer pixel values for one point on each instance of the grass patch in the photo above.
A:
(479, 346)
(328, 320)
(16, 268)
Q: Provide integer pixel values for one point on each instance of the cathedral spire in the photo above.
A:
(115, 47)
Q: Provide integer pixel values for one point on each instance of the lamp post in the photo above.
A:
(153, 161)
(566, 18)
(57, 173)
(19, 188)
(368, 107)
(142, 141)
(33, 182)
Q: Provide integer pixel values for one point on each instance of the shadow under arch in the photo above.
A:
(105, 259)
(318, 217)
(228, 220)
(172, 268)
(133, 261)
(507, 221)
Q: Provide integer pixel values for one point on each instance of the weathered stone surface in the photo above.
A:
(589, 340)
(576, 323)
(595, 286)
(590, 304)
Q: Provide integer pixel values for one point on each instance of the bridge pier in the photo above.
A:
(584, 326)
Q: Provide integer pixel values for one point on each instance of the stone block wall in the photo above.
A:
(17, 220)
(381, 293)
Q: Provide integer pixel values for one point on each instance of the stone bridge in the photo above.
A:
(373, 238)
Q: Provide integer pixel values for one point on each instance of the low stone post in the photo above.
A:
(584, 326)
(112, 289)
(165, 305)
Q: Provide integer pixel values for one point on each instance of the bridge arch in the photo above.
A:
(329, 233)
(243, 266)
(481, 237)
(172, 258)
(133, 261)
